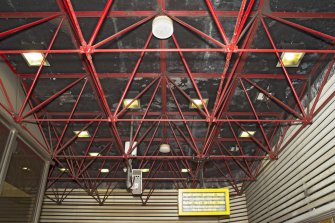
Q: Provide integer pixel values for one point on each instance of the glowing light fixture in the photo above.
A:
(145, 170)
(291, 59)
(247, 134)
(197, 101)
(164, 148)
(136, 104)
(25, 168)
(104, 170)
(82, 134)
(94, 154)
(185, 170)
(63, 169)
(35, 59)
(162, 27)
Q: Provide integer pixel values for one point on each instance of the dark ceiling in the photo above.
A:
(224, 49)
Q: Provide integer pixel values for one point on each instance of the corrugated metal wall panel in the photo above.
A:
(302, 180)
(123, 207)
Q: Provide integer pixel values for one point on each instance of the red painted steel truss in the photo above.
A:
(177, 123)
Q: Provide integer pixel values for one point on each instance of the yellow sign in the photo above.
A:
(204, 202)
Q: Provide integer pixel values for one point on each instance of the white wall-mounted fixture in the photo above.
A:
(162, 27)
(164, 148)
(136, 182)
(127, 147)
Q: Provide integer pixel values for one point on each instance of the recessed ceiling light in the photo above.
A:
(197, 101)
(136, 104)
(145, 170)
(94, 154)
(35, 59)
(164, 148)
(247, 134)
(162, 27)
(291, 59)
(25, 168)
(185, 170)
(82, 134)
(63, 169)
(104, 170)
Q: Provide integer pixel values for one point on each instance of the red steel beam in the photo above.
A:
(131, 78)
(191, 76)
(284, 69)
(122, 32)
(197, 31)
(217, 21)
(29, 25)
(171, 75)
(180, 13)
(149, 157)
(303, 28)
(100, 22)
(146, 179)
(132, 147)
(256, 116)
(53, 97)
(39, 70)
(162, 120)
(185, 123)
(172, 50)
(155, 113)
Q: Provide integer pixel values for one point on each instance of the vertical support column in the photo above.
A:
(9, 148)
(40, 195)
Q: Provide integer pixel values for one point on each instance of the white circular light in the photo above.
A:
(164, 148)
(162, 27)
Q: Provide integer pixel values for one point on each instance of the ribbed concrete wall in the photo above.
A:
(123, 207)
(300, 185)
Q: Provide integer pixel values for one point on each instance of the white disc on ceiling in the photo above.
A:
(162, 27)
(164, 148)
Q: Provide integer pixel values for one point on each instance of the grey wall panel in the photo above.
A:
(302, 180)
(123, 207)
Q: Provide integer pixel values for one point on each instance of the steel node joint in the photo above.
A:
(112, 119)
(308, 120)
(273, 157)
(231, 48)
(86, 49)
(17, 118)
(211, 119)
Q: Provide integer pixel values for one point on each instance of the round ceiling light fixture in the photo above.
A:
(164, 148)
(162, 27)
